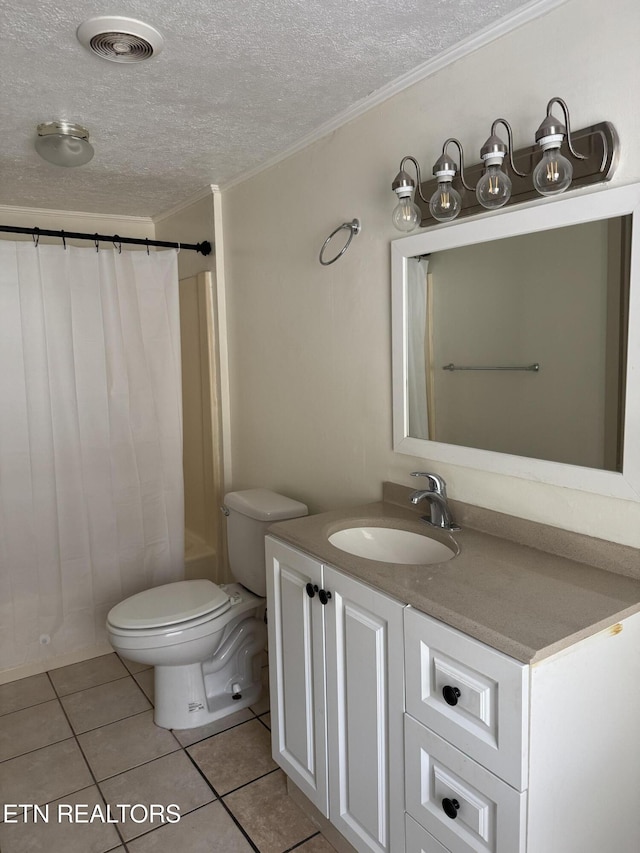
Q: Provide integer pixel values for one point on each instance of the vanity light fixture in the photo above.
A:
(496, 184)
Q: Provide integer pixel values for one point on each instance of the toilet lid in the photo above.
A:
(169, 604)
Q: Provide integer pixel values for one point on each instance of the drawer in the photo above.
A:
(419, 840)
(470, 694)
(464, 806)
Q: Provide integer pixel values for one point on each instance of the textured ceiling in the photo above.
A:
(237, 83)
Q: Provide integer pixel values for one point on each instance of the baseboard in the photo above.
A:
(55, 662)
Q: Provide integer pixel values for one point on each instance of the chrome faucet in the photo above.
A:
(436, 494)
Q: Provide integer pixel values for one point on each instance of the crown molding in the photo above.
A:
(205, 192)
(533, 10)
(71, 214)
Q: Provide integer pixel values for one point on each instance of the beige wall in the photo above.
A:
(309, 346)
(193, 223)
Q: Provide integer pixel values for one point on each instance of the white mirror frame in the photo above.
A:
(539, 216)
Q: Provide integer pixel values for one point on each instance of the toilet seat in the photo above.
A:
(171, 605)
(162, 632)
(207, 628)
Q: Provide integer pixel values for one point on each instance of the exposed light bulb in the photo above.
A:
(493, 190)
(406, 215)
(445, 204)
(554, 172)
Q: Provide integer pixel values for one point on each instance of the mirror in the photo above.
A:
(511, 344)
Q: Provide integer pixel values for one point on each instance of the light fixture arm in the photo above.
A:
(458, 145)
(418, 176)
(565, 110)
(506, 124)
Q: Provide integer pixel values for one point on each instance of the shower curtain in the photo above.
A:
(91, 492)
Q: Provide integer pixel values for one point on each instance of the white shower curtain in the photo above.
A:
(91, 491)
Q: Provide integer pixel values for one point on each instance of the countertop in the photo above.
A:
(526, 602)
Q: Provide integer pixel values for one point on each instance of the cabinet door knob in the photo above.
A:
(451, 695)
(324, 595)
(450, 808)
(311, 590)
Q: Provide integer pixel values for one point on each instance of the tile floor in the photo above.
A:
(84, 736)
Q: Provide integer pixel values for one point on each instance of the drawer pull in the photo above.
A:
(451, 695)
(311, 590)
(450, 808)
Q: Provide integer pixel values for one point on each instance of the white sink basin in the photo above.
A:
(391, 545)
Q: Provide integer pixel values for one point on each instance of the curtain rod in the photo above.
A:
(204, 248)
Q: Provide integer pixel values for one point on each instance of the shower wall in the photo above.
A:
(205, 540)
(199, 406)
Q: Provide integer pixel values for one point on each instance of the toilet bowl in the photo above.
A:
(206, 640)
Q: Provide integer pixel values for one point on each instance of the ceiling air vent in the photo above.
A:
(120, 39)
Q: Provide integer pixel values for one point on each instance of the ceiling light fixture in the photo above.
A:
(120, 39)
(63, 143)
(548, 171)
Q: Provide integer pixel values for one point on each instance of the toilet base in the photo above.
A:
(195, 694)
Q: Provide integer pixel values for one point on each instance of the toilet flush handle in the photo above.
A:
(224, 510)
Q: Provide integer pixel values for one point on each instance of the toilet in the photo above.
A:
(206, 640)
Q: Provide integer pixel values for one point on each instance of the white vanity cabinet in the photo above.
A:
(491, 755)
(502, 757)
(337, 695)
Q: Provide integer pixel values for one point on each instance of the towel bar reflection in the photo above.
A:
(533, 368)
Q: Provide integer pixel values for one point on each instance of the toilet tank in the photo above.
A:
(251, 512)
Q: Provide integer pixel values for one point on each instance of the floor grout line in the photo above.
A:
(179, 747)
(260, 720)
(222, 803)
(206, 737)
(245, 784)
(44, 746)
(112, 722)
(108, 681)
(89, 768)
(304, 841)
(26, 707)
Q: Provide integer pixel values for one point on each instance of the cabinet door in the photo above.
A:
(365, 698)
(296, 670)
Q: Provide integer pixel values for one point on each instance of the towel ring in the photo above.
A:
(354, 227)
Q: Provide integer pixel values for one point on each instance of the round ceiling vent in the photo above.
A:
(120, 39)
